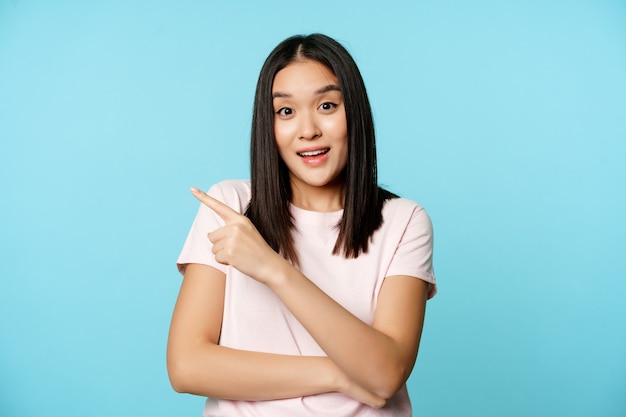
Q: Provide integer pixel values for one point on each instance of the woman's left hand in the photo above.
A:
(238, 243)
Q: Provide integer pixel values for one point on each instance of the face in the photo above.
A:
(310, 126)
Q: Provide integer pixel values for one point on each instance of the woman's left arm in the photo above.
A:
(379, 357)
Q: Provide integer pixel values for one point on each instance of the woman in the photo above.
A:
(304, 289)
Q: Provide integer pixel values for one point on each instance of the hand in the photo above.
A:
(238, 243)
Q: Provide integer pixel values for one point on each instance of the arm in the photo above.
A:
(378, 357)
(198, 365)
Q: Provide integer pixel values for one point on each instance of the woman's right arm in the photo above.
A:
(198, 365)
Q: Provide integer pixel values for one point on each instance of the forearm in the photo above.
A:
(197, 364)
(216, 371)
(369, 357)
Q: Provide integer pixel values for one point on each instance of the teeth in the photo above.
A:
(313, 153)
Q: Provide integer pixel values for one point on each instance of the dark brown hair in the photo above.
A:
(271, 189)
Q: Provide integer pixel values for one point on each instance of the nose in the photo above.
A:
(308, 128)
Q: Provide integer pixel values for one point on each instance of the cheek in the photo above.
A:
(282, 136)
(283, 133)
(339, 131)
(337, 124)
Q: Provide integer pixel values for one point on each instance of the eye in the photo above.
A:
(327, 106)
(284, 112)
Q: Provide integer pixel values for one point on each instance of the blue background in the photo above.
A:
(506, 120)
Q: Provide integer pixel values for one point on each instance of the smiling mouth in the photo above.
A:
(313, 153)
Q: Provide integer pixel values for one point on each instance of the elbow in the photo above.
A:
(179, 377)
(387, 391)
(178, 385)
(389, 382)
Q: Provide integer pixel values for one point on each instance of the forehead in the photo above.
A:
(303, 76)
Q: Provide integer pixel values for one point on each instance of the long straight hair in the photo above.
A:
(271, 189)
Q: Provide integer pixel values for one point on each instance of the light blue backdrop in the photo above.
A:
(506, 120)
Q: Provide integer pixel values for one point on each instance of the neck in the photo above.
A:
(322, 199)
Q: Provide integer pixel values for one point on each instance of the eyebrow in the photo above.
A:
(325, 89)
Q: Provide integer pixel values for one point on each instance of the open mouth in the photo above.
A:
(313, 153)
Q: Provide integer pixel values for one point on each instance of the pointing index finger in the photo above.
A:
(226, 213)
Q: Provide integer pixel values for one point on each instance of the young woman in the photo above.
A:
(304, 288)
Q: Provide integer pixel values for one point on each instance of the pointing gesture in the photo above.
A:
(226, 213)
(238, 243)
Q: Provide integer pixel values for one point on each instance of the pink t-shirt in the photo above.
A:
(255, 319)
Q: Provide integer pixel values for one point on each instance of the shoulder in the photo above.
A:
(234, 193)
(402, 213)
(402, 207)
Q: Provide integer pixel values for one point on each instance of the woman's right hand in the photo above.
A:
(239, 244)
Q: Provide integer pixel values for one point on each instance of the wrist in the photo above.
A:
(337, 379)
(332, 378)
(278, 271)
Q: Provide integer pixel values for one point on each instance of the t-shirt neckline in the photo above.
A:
(301, 215)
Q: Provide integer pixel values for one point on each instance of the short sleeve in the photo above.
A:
(414, 254)
(197, 247)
